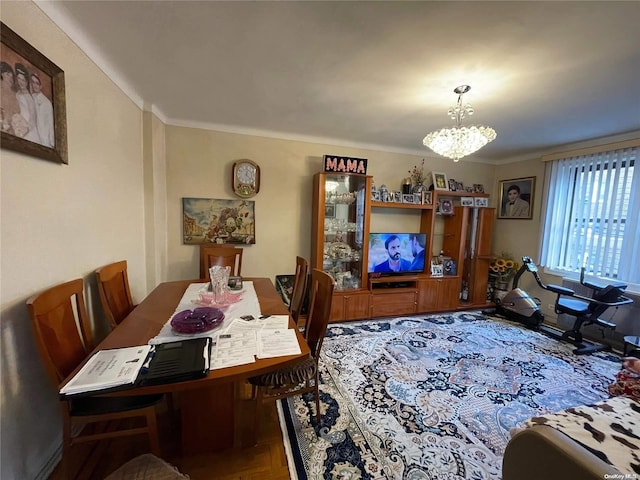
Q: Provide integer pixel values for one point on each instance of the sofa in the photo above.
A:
(591, 442)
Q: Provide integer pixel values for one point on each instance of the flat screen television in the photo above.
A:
(396, 253)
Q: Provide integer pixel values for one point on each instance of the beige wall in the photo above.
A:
(59, 223)
(199, 165)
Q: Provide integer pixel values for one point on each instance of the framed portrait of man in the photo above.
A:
(516, 198)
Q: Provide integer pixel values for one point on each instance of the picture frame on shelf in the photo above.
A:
(397, 196)
(445, 206)
(408, 198)
(516, 198)
(437, 269)
(329, 211)
(467, 201)
(478, 188)
(427, 198)
(481, 202)
(49, 139)
(418, 198)
(449, 266)
(440, 181)
(459, 187)
(375, 196)
(452, 184)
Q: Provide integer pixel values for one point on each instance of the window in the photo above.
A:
(592, 215)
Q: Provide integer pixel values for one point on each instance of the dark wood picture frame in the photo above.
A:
(525, 188)
(14, 49)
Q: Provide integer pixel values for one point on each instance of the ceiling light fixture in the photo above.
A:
(458, 142)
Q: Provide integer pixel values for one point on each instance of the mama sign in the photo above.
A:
(333, 163)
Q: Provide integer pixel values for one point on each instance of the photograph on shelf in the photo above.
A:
(439, 181)
(418, 198)
(449, 266)
(445, 206)
(397, 196)
(329, 211)
(481, 202)
(516, 198)
(459, 187)
(407, 198)
(375, 196)
(467, 201)
(478, 188)
(452, 185)
(427, 198)
(436, 269)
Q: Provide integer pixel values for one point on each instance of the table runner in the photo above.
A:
(248, 305)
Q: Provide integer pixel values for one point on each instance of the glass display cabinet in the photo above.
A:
(340, 228)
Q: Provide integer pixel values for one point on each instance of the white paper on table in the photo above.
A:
(236, 348)
(277, 343)
(274, 322)
(107, 369)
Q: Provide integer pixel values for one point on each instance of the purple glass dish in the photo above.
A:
(198, 320)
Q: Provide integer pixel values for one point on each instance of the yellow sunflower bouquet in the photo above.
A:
(503, 268)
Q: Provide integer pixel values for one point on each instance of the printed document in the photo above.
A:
(108, 369)
(277, 343)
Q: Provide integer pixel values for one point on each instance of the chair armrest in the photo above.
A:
(542, 452)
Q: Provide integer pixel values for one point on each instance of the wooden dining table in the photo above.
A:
(209, 420)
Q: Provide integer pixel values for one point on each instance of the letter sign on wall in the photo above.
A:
(333, 163)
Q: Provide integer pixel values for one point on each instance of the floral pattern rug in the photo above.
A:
(432, 397)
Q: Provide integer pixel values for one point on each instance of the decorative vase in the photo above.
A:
(419, 188)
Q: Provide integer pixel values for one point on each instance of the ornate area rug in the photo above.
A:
(432, 397)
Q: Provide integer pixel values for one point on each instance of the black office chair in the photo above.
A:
(586, 310)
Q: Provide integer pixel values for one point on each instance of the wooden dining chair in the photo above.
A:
(299, 289)
(64, 342)
(115, 296)
(221, 255)
(301, 377)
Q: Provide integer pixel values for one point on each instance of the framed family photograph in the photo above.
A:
(516, 198)
(440, 181)
(33, 115)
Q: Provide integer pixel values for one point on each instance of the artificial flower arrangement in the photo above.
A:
(503, 268)
(417, 174)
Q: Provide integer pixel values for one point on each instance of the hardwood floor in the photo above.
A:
(265, 461)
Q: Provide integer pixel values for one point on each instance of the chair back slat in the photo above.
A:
(63, 344)
(299, 288)
(115, 295)
(321, 294)
(219, 255)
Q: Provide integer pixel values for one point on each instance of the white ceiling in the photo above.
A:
(373, 74)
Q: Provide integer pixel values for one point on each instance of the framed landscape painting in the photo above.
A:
(33, 115)
(209, 220)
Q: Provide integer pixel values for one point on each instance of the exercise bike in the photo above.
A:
(517, 305)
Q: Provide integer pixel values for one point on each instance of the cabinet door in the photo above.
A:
(448, 293)
(389, 304)
(437, 294)
(427, 295)
(340, 226)
(337, 309)
(356, 306)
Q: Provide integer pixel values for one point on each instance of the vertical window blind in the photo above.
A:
(592, 215)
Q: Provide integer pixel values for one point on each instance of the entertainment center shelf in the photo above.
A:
(342, 210)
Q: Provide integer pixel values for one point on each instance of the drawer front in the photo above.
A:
(388, 304)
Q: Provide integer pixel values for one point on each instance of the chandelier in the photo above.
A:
(459, 141)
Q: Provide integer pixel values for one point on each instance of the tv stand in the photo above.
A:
(393, 295)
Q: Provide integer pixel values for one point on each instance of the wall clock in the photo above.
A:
(245, 178)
